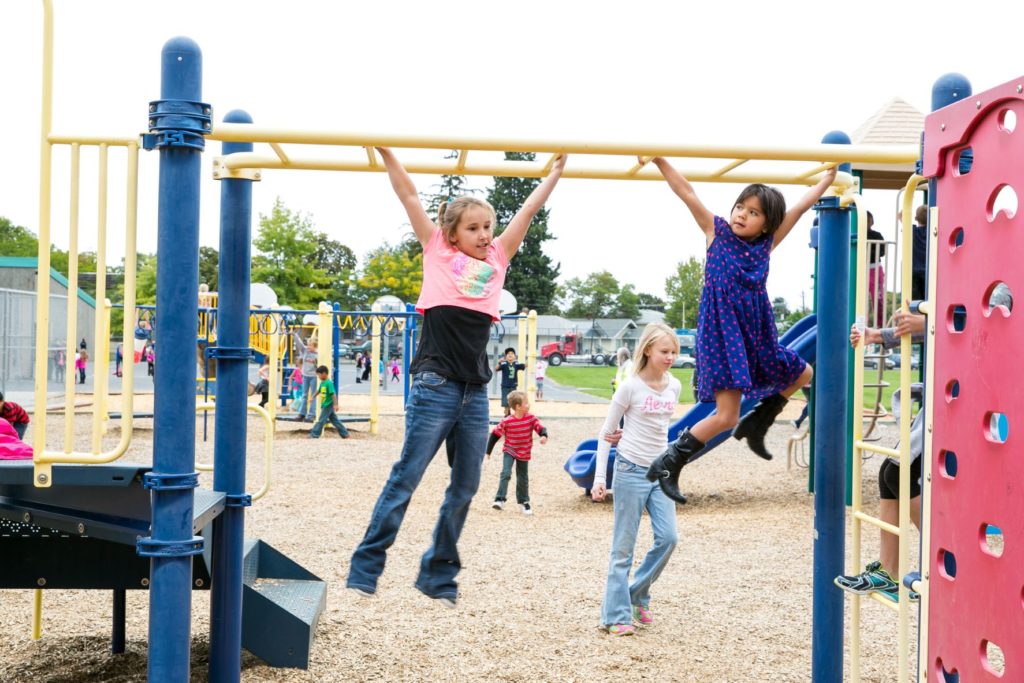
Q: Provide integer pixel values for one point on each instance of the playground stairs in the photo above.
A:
(281, 604)
(81, 533)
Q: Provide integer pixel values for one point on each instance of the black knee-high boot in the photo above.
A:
(755, 424)
(666, 467)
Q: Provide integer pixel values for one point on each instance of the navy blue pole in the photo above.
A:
(830, 433)
(409, 339)
(177, 120)
(335, 344)
(233, 277)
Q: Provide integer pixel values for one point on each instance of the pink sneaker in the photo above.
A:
(642, 615)
(620, 629)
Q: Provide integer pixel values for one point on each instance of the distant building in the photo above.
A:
(18, 322)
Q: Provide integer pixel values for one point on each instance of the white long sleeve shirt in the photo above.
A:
(647, 415)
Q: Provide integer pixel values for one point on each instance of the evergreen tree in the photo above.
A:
(531, 276)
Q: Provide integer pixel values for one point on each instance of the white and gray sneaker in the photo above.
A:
(498, 505)
(527, 510)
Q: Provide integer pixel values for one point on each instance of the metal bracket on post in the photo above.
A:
(230, 352)
(170, 482)
(178, 123)
(222, 172)
(240, 500)
(148, 547)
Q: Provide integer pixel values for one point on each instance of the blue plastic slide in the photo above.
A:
(801, 339)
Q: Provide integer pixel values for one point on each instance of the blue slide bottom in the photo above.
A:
(801, 339)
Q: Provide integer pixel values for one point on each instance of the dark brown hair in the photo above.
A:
(773, 204)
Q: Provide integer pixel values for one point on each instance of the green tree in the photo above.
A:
(339, 262)
(780, 309)
(209, 267)
(16, 240)
(145, 279)
(531, 277)
(594, 297)
(286, 244)
(628, 304)
(650, 302)
(392, 270)
(683, 289)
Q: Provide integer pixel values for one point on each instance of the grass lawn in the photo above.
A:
(597, 381)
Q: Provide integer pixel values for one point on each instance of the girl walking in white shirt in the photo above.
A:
(646, 401)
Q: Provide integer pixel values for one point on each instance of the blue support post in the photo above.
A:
(409, 339)
(830, 434)
(232, 353)
(177, 123)
(336, 345)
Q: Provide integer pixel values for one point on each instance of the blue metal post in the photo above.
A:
(232, 355)
(830, 433)
(177, 123)
(409, 339)
(336, 345)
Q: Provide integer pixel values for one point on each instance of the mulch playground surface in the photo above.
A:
(734, 603)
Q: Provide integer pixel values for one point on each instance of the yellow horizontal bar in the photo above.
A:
(894, 606)
(91, 140)
(821, 153)
(885, 526)
(875, 448)
(518, 169)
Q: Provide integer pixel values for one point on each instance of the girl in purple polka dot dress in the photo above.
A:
(738, 348)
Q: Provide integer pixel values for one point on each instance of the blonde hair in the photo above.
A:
(450, 213)
(516, 398)
(622, 355)
(652, 333)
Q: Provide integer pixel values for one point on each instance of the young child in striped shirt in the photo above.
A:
(517, 428)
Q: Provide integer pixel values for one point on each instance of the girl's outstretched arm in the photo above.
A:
(682, 187)
(520, 223)
(406, 191)
(801, 207)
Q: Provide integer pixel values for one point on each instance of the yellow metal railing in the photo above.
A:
(902, 454)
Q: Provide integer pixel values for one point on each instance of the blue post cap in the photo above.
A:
(838, 137)
(181, 70)
(236, 116)
(949, 88)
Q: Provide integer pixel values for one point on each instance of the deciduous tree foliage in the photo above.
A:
(392, 270)
(683, 289)
(286, 246)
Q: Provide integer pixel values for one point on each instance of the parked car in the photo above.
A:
(345, 351)
(873, 363)
(684, 360)
(915, 361)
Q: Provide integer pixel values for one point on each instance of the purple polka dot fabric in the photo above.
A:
(737, 343)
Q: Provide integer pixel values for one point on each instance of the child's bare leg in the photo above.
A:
(755, 424)
(725, 417)
(802, 381)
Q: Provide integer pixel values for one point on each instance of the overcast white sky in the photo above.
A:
(720, 73)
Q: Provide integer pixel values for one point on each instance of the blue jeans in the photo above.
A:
(633, 494)
(438, 408)
(308, 387)
(327, 413)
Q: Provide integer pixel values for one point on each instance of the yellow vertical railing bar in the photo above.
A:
(324, 344)
(100, 363)
(275, 367)
(531, 355)
(374, 374)
(520, 346)
(71, 341)
(37, 614)
(130, 266)
(279, 151)
(461, 163)
(41, 473)
(371, 157)
(926, 469)
(860, 308)
(103, 378)
(728, 167)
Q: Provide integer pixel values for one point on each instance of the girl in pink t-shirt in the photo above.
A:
(463, 271)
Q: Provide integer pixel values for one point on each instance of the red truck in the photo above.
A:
(558, 352)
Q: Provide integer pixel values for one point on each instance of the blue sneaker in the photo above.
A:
(872, 579)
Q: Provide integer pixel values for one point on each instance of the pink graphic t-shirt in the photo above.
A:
(451, 278)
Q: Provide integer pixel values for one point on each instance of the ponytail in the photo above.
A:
(440, 213)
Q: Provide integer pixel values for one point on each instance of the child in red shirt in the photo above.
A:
(517, 428)
(14, 414)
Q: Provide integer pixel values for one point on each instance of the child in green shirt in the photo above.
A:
(328, 404)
